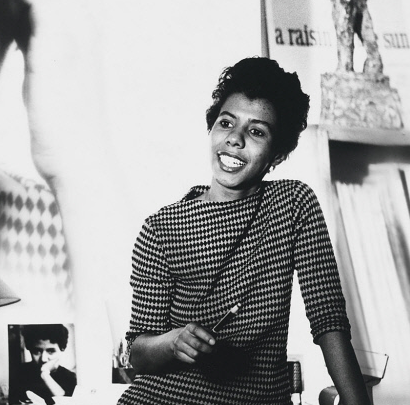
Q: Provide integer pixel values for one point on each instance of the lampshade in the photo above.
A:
(7, 296)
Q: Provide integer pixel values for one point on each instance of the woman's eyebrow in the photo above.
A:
(256, 121)
(227, 113)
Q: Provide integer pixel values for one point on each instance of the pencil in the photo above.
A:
(226, 318)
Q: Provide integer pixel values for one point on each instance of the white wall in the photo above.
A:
(163, 62)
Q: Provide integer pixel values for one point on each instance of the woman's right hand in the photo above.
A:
(192, 342)
(153, 354)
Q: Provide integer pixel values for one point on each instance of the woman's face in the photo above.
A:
(241, 145)
(44, 351)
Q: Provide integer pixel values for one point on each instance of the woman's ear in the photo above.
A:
(276, 161)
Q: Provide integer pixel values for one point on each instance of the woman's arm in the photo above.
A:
(55, 388)
(152, 354)
(344, 369)
(324, 301)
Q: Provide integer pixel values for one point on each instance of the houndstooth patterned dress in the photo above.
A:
(188, 266)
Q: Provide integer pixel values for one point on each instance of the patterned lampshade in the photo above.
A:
(7, 296)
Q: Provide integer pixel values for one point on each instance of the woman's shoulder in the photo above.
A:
(288, 188)
(182, 207)
(291, 196)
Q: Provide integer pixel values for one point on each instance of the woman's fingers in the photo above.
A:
(200, 332)
(192, 342)
(185, 352)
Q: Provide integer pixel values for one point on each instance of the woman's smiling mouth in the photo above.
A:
(230, 163)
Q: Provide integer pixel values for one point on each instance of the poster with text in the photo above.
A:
(301, 36)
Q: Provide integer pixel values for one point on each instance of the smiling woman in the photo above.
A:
(252, 127)
(236, 244)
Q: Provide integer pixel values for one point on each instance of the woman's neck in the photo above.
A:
(218, 192)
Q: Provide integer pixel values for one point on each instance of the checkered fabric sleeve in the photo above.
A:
(317, 269)
(151, 285)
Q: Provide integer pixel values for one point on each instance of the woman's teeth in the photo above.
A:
(231, 161)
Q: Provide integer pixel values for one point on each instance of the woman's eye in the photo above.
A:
(256, 132)
(225, 124)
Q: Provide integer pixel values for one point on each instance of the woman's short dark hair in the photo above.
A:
(263, 78)
(55, 333)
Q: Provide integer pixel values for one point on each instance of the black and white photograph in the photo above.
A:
(204, 202)
(41, 362)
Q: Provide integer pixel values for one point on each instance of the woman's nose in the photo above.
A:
(236, 138)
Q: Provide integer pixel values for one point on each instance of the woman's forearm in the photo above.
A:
(152, 354)
(53, 386)
(344, 369)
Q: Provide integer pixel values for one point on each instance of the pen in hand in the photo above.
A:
(226, 318)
